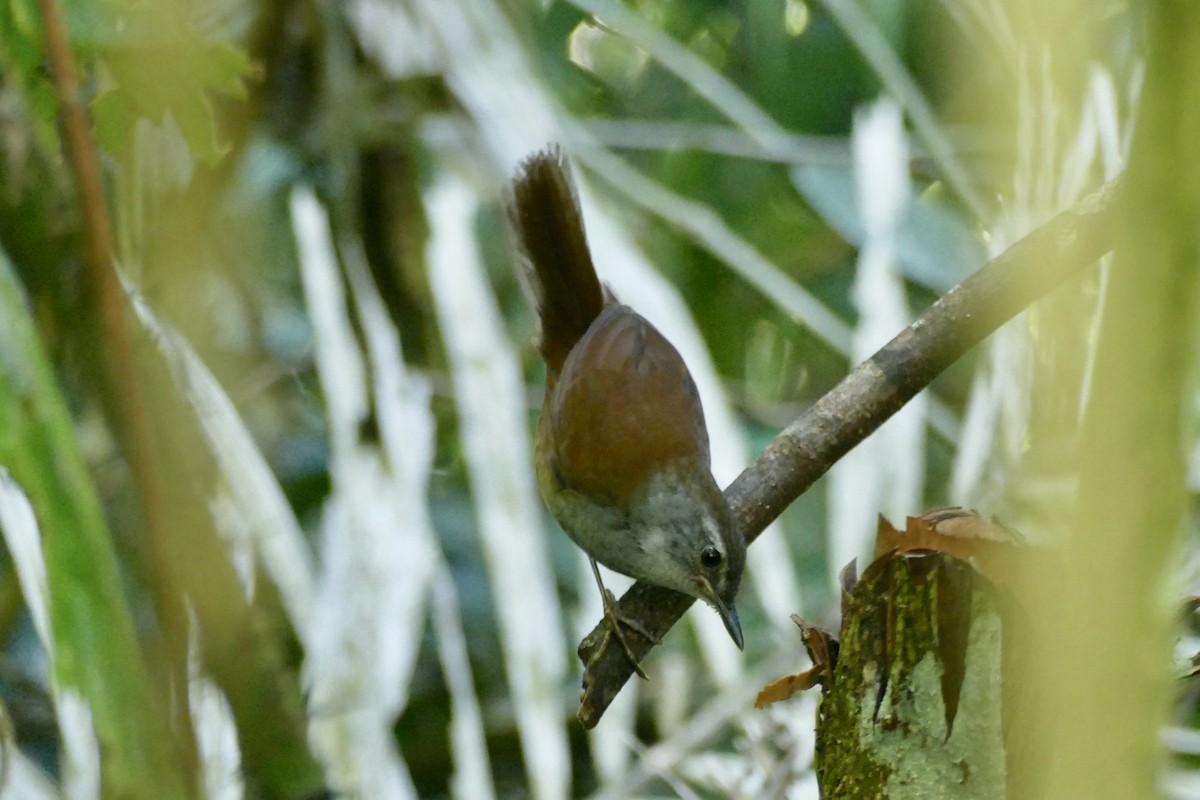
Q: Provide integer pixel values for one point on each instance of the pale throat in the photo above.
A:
(675, 525)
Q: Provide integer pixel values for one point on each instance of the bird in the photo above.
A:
(621, 450)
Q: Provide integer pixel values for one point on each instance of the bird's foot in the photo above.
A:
(616, 619)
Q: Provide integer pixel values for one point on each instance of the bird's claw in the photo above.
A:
(612, 613)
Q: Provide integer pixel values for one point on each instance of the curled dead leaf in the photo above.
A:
(988, 545)
(822, 649)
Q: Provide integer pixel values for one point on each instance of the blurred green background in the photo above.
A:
(226, 132)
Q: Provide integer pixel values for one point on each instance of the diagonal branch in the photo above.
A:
(864, 400)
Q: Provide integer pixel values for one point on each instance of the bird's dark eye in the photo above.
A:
(710, 556)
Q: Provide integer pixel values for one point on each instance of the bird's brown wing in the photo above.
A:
(624, 404)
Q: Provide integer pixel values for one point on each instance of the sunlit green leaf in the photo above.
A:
(169, 71)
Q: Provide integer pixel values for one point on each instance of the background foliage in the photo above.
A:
(353, 586)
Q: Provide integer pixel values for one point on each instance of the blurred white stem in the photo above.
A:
(733, 702)
(711, 232)
(1047, 175)
(80, 751)
(256, 517)
(722, 93)
(639, 134)
(887, 65)
(884, 474)
(378, 554)
(494, 430)
(215, 727)
(20, 778)
(472, 779)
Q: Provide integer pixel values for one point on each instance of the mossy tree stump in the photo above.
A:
(914, 706)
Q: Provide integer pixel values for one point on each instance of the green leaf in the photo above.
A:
(158, 64)
(155, 64)
(187, 71)
(96, 650)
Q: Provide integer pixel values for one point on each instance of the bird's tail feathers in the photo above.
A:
(543, 209)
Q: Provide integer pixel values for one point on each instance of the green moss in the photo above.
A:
(884, 729)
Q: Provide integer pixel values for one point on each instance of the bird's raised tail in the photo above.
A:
(544, 212)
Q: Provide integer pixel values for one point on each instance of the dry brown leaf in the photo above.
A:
(784, 688)
(959, 532)
(822, 649)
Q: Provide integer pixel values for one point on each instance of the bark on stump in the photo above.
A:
(914, 709)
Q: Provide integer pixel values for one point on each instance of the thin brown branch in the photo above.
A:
(171, 469)
(81, 150)
(123, 391)
(864, 400)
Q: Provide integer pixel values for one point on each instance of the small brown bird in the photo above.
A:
(622, 450)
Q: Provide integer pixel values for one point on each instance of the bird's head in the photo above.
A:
(689, 540)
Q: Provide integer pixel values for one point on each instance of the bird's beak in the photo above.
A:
(728, 614)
